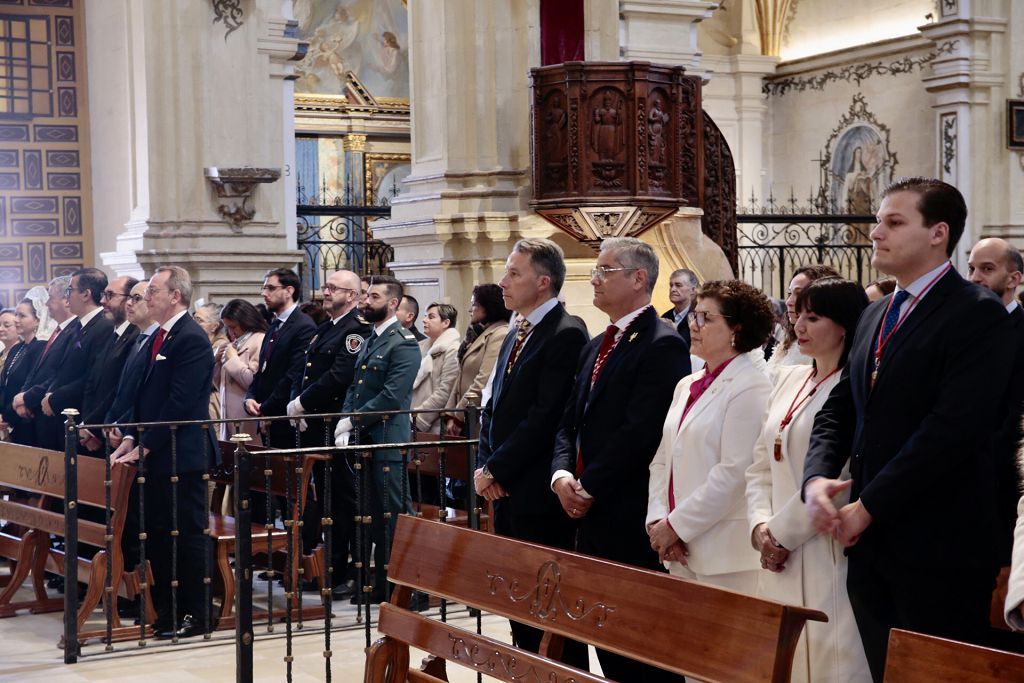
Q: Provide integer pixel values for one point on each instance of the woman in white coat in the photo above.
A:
(439, 367)
(696, 510)
(800, 565)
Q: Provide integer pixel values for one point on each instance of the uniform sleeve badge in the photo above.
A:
(353, 343)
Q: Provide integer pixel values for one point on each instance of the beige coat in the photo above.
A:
(477, 363)
(437, 374)
(708, 458)
(1015, 585)
(815, 573)
(234, 377)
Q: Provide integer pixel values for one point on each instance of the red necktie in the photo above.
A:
(49, 343)
(158, 340)
(605, 350)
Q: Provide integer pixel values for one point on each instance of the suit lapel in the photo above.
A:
(712, 392)
(166, 345)
(861, 360)
(635, 336)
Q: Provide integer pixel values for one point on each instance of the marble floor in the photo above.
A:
(28, 652)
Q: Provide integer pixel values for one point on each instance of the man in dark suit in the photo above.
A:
(384, 374)
(48, 432)
(280, 362)
(613, 422)
(996, 264)
(175, 387)
(532, 382)
(101, 384)
(913, 415)
(408, 314)
(682, 285)
(327, 373)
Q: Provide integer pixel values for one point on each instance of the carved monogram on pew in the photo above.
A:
(40, 475)
(492, 662)
(547, 599)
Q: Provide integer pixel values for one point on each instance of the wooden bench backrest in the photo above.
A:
(917, 658)
(682, 626)
(278, 465)
(41, 471)
(456, 459)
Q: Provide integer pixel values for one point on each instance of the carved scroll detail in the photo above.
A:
(547, 601)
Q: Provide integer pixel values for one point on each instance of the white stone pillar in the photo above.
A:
(664, 31)
(197, 96)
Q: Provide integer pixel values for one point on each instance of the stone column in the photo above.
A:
(664, 31)
(201, 92)
(969, 84)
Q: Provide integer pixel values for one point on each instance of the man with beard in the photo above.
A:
(384, 375)
(329, 366)
(105, 372)
(996, 264)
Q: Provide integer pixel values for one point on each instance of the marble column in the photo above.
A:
(189, 91)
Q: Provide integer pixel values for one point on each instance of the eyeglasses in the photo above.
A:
(66, 292)
(271, 288)
(601, 272)
(150, 291)
(110, 295)
(135, 298)
(701, 318)
(328, 287)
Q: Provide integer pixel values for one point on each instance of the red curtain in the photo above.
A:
(561, 31)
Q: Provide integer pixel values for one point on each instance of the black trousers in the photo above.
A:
(610, 536)
(342, 512)
(193, 548)
(948, 601)
(555, 530)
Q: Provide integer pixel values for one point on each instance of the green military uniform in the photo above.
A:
(384, 375)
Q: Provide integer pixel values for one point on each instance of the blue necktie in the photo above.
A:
(892, 316)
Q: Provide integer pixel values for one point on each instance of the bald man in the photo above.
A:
(996, 264)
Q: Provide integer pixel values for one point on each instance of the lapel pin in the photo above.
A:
(633, 336)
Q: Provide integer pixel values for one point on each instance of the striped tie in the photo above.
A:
(521, 333)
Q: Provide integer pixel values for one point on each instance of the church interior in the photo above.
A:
(424, 138)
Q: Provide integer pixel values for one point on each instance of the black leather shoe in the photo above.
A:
(189, 627)
(343, 590)
(420, 602)
(127, 609)
(374, 597)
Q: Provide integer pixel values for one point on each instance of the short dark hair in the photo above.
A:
(488, 296)
(413, 303)
(315, 310)
(816, 271)
(938, 202)
(546, 257)
(746, 308)
(886, 285)
(129, 284)
(841, 301)
(93, 280)
(1014, 259)
(288, 278)
(245, 314)
(393, 286)
(445, 312)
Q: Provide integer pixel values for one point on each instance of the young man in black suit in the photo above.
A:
(48, 432)
(327, 373)
(281, 356)
(532, 380)
(996, 264)
(613, 422)
(175, 387)
(913, 415)
(682, 285)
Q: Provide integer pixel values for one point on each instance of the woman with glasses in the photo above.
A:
(478, 353)
(23, 352)
(801, 566)
(236, 362)
(696, 510)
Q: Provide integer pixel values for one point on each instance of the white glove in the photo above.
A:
(341, 439)
(300, 425)
(295, 408)
(344, 427)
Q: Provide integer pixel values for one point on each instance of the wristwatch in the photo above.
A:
(486, 472)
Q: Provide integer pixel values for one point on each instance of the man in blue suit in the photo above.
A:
(384, 374)
(175, 387)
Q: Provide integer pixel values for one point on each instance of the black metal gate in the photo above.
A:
(774, 240)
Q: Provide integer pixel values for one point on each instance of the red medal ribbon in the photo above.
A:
(880, 344)
(795, 404)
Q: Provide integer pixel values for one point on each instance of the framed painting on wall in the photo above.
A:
(1015, 124)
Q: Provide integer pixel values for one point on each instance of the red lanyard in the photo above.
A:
(881, 343)
(795, 404)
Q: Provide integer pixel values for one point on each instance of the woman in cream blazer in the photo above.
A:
(237, 362)
(801, 566)
(704, 455)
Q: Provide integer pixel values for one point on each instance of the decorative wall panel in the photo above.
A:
(44, 156)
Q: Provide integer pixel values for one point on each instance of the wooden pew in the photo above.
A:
(917, 658)
(457, 466)
(40, 472)
(224, 532)
(682, 626)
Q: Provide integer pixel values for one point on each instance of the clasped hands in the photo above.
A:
(773, 554)
(846, 524)
(20, 408)
(666, 542)
(487, 487)
(128, 452)
(570, 494)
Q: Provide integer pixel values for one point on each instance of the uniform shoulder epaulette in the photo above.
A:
(409, 335)
(361, 320)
